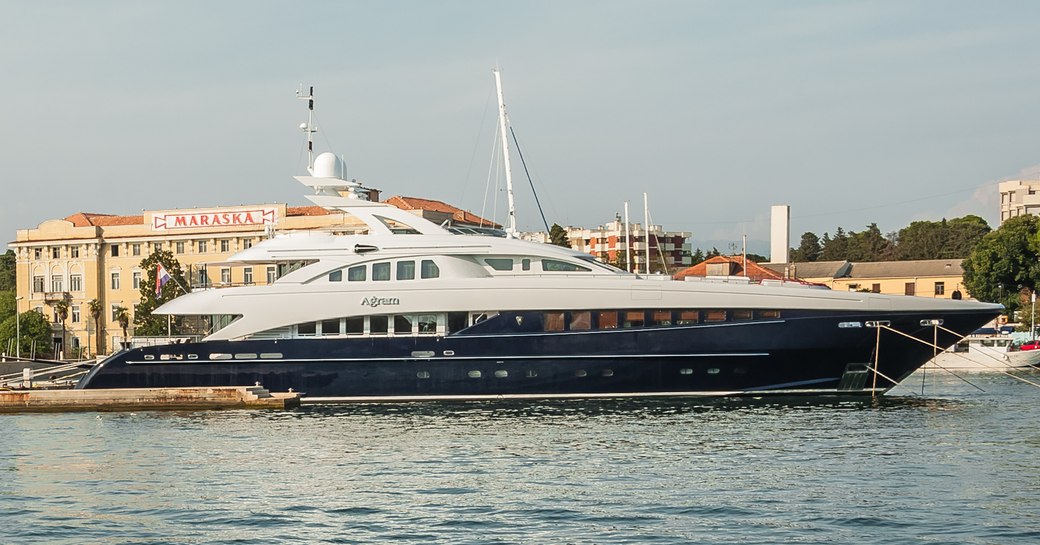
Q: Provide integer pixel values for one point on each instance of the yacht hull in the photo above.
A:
(806, 352)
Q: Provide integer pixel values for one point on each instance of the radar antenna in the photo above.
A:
(308, 127)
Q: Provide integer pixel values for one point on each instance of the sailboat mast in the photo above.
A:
(628, 241)
(646, 231)
(503, 122)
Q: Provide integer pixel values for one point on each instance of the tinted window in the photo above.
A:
(378, 325)
(356, 274)
(429, 269)
(500, 264)
(336, 276)
(405, 270)
(402, 324)
(355, 325)
(552, 265)
(380, 271)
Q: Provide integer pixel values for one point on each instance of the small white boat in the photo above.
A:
(984, 354)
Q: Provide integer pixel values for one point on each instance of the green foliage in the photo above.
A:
(145, 323)
(7, 271)
(952, 239)
(7, 306)
(809, 249)
(96, 310)
(1005, 263)
(868, 245)
(558, 236)
(697, 257)
(34, 327)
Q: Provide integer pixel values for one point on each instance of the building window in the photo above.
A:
(74, 251)
(225, 245)
(429, 269)
(940, 288)
(74, 310)
(203, 276)
(156, 246)
(179, 247)
(406, 270)
(115, 312)
(247, 243)
(247, 276)
(75, 282)
(135, 249)
(37, 253)
(225, 275)
(272, 274)
(115, 250)
(55, 253)
(910, 288)
(875, 288)
(57, 283)
(115, 280)
(202, 246)
(37, 284)
(136, 280)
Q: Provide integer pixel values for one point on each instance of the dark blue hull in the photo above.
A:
(807, 353)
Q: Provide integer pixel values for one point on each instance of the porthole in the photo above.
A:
(713, 370)
(501, 373)
(685, 371)
(608, 372)
(193, 356)
(271, 356)
(149, 357)
(474, 374)
(219, 356)
(246, 356)
(581, 373)
(422, 374)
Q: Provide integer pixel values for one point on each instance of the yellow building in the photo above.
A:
(939, 278)
(97, 256)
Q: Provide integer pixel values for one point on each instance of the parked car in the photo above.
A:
(1031, 345)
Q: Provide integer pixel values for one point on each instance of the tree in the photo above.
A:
(34, 328)
(964, 234)
(867, 245)
(1005, 263)
(835, 249)
(953, 239)
(123, 318)
(7, 304)
(697, 257)
(8, 271)
(145, 323)
(558, 236)
(96, 310)
(809, 250)
(61, 311)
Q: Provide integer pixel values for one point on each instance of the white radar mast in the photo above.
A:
(503, 122)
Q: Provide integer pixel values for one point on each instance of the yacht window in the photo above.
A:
(355, 325)
(715, 316)
(429, 269)
(427, 324)
(581, 373)
(608, 320)
(501, 373)
(270, 355)
(687, 317)
(474, 374)
(525, 264)
(397, 227)
(356, 274)
(767, 314)
(402, 324)
(218, 356)
(406, 270)
(378, 325)
(741, 314)
(422, 374)
(307, 329)
(553, 321)
(330, 327)
(635, 318)
(456, 321)
(499, 263)
(581, 321)
(551, 265)
(661, 317)
(336, 276)
(381, 271)
(608, 372)
(245, 356)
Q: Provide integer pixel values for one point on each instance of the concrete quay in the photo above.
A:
(126, 399)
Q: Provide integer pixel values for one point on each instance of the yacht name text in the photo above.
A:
(379, 301)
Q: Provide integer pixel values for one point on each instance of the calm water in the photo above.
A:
(954, 466)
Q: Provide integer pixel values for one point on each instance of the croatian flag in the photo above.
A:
(161, 278)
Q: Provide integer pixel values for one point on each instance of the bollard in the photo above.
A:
(27, 376)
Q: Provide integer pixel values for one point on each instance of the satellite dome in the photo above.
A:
(327, 165)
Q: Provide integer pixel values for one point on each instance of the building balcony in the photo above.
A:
(53, 296)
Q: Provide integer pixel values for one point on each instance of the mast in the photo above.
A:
(646, 231)
(309, 126)
(628, 241)
(503, 122)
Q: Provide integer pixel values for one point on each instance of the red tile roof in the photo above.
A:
(306, 211)
(85, 219)
(457, 214)
(754, 271)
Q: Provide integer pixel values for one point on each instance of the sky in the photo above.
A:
(850, 112)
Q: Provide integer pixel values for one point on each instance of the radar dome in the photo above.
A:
(327, 165)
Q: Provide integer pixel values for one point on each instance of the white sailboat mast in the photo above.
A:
(628, 241)
(503, 122)
(646, 231)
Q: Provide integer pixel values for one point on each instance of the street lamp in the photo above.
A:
(18, 330)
